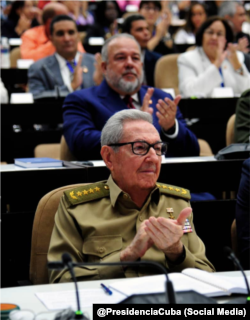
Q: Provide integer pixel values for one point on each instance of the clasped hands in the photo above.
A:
(164, 233)
(230, 53)
(167, 109)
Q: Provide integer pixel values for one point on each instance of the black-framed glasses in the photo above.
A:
(141, 148)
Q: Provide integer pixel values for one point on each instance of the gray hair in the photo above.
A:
(228, 8)
(104, 51)
(112, 132)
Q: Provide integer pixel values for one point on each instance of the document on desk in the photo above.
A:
(190, 279)
(55, 300)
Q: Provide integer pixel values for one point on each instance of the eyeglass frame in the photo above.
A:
(150, 145)
(211, 33)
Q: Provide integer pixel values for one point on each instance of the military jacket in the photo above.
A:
(95, 222)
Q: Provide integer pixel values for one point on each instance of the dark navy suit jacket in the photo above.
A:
(86, 111)
(243, 216)
(150, 60)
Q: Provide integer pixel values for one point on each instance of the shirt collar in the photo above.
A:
(62, 61)
(115, 192)
(135, 97)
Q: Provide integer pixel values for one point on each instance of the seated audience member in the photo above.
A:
(243, 216)
(178, 8)
(23, 15)
(196, 15)
(128, 216)
(214, 63)
(78, 11)
(242, 119)
(36, 42)
(85, 112)
(65, 71)
(4, 93)
(235, 13)
(138, 27)
(213, 7)
(105, 25)
(124, 3)
(159, 22)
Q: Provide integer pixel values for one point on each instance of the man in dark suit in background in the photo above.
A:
(65, 71)
(85, 112)
(138, 27)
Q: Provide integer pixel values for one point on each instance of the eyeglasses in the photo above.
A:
(141, 148)
(211, 33)
(147, 8)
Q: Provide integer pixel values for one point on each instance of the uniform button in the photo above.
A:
(101, 249)
(125, 196)
(141, 218)
(106, 187)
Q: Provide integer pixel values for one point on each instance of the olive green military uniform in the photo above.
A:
(95, 222)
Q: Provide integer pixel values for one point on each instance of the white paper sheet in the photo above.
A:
(64, 299)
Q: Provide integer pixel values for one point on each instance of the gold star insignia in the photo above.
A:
(91, 190)
(164, 187)
(176, 189)
(85, 192)
(79, 193)
(158, 185)
(184, 191)
(72, 195)
(170, 188)
(97, 189)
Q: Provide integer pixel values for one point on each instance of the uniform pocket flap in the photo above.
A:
(102, 246)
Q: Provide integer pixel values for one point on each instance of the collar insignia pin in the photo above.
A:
(170, 211)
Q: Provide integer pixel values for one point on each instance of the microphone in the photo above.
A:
(231, 256)
(170, 294)
(67, 261)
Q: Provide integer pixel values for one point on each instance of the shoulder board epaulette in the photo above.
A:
(174, 191)
(86, 193)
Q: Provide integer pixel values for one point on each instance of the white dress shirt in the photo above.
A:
(65, 72)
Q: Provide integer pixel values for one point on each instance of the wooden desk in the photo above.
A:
(26, 299)
(23, 188)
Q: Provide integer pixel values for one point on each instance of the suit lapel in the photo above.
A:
(53, 66)
(110, 98)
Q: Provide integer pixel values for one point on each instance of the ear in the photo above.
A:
(104, 66)
(107, 154)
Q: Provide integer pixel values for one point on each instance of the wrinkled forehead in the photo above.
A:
(140, 130)
(123, 45)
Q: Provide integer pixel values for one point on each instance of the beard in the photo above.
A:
(123, 85)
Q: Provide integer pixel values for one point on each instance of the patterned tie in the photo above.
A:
(129, 102)
(71, 65)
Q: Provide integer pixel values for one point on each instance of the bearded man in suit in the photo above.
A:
(85, 112)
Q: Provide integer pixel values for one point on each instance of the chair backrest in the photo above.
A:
(230, 130)
(205, 149)
(50, 150)
(15, 54)
(166, 72)
(191, 48)
(65, 153)
(41, 233)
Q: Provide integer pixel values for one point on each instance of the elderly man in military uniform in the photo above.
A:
(130, 216)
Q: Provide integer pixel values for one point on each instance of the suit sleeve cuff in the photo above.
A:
(173, 135)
